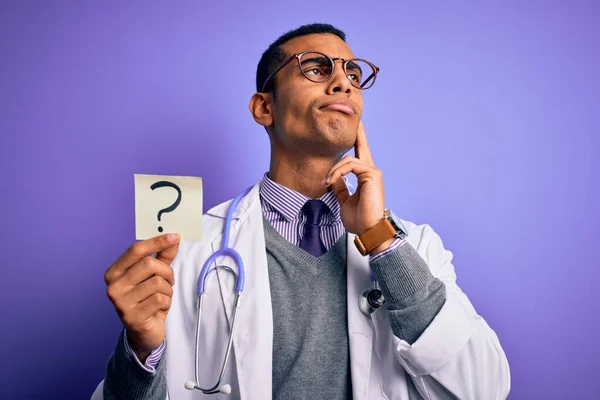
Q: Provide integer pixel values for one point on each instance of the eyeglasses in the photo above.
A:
(319, 67)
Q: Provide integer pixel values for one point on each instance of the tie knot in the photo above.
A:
(314, 209)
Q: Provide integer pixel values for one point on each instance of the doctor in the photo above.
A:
(310, 249)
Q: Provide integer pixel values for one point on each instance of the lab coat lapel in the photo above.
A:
(360, 331)
(253, 334)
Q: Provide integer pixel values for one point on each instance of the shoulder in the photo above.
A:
(247, 204)
(212, 229)
(419, 235)
(428, 244)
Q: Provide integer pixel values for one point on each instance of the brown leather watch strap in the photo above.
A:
(374, 237)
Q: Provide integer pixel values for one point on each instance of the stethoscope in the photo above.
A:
(369, 301)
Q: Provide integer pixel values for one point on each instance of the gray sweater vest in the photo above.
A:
(311, 358)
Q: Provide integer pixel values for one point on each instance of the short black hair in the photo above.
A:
(274, 55)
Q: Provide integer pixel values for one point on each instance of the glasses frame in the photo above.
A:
(298, 57)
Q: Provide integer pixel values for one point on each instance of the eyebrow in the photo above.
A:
(321, 60)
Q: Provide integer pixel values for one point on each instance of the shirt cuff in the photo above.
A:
(152, 360)
(395, 244)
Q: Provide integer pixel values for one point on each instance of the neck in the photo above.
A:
(302, 173)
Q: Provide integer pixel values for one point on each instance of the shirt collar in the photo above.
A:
(289, 203)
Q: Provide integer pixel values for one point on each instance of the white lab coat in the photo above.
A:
(458, 355)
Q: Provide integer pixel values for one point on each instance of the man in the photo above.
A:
(310, 248)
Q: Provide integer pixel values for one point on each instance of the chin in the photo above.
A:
(339, 132)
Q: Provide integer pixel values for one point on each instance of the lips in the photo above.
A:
(342, 106)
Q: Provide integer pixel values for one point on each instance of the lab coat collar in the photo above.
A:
(220, 211)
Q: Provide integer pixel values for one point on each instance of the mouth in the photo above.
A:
(341, 106)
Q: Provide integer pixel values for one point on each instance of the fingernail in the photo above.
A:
(172, 237)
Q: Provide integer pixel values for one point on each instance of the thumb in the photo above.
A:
(340, 190)
(167, 255)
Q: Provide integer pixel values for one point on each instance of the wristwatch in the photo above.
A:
(390, 226)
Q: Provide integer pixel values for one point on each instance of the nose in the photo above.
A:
(339, 82)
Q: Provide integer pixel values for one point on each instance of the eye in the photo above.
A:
(354, 75)
(316, 70)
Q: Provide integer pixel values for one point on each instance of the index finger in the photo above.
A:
(361, 147)
(139, 250)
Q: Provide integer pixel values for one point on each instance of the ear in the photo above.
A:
(261, 108)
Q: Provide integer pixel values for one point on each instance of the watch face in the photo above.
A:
(397, 224)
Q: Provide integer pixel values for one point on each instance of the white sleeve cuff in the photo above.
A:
(443, 339)
(152, 360)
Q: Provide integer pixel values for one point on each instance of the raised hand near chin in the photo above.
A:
(363, 209)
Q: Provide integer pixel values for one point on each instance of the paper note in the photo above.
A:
(165, 204)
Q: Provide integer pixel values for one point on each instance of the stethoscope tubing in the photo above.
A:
(225, 250)
(214, 389)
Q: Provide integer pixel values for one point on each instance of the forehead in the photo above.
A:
(326, 43)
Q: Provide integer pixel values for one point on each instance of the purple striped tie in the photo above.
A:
(311, 241)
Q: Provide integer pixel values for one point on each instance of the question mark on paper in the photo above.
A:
(173, 206)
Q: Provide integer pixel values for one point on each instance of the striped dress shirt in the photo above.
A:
(282, 207)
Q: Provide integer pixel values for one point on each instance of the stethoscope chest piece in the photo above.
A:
(371, 300)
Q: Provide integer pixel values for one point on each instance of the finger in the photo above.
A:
(356, 167)
(153, 304)
(145, 269)
(340, 190)
(139, 250)
(344, 160)
(361, 147)
(167, 255)
(154, 284)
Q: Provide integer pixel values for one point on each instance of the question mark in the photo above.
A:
(173, 206)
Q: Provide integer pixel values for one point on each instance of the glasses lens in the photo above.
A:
(316, 67)
(360, 73)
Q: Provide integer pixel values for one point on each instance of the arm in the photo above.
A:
(413, 296)
(126, 378)
(456, 352)
(140, 287)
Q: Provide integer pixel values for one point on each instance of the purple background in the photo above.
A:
(485, 120)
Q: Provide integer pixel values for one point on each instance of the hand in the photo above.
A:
(363, 209)
(141, 287)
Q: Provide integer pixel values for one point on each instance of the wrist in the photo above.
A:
(368, 226)
(382, 247)
(141, 355)
(380, 236)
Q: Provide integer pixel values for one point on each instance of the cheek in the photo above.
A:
(294, 111)
(359, 102)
